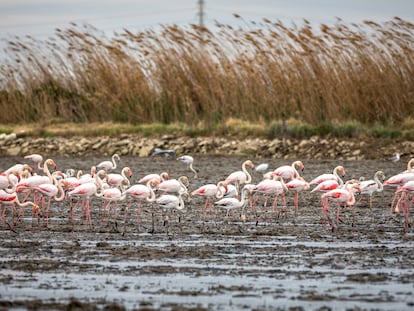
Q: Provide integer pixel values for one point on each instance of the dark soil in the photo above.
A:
(289, 263)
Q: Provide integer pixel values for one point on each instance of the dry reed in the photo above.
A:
(269, 71)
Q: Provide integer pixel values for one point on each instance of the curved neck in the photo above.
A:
(295, 171)
(46, 170)
(338, 178)
(249, 177)
(113, 160)
(61, 191)
(351, 200)
(379, 182)
(151, 197)
(190, 166)
(221, 188)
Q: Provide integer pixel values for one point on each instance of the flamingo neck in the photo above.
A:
(151, 197)
(379, 183)
(351, 200)
(249, 177)
(295, 171)
(338, 178)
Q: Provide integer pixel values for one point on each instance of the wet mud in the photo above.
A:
(286, 263)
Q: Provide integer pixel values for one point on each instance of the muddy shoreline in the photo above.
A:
(289, 263)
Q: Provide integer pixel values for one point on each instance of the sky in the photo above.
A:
(40, 18)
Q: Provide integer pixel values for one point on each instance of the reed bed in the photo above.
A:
(260, 73)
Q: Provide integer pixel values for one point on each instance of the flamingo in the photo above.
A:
(51, 191)
(397, 181)
(268, 187)
(230, 191)
(110, 195)
(9, 181)
(189, 160)
(410, 166)
(19, 168)
(297, 185)
(118, 180)
(289, 172)
(406, 189)
(139, 193)
(27, 185)
(109, 165)
(170, 201)
(174, 185)
(233, 203)
(11, 199)
(241, 177)
(160, 177)
(86, 191)
(37, 159)
(209, 191)
(368, 187)
(340, 195)
(334, 176)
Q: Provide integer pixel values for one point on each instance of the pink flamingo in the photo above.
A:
(397, 181)
(120, 180)
(334, 176)
(340, 195)
(210, 191)
(406, 190)
(27, 185)
(160, 177)
(109, 165)
(11, 199)
(37, 159)
(9, 181)
(241, 177)
(289, 172)
(110, 195)
(50, 191)
(174, 185)
(139, 193)
(297, 185)
(85, 191)
(268, 187)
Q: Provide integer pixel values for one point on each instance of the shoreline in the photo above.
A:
(135, 145)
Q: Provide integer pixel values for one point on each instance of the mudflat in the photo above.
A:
(216, 263)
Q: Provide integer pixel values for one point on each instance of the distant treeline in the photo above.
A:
(263, 72)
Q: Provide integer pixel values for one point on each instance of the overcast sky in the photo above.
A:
(39, 18)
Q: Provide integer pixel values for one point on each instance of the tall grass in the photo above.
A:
(265, 72)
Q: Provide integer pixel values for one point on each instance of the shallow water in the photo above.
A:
(216, 265)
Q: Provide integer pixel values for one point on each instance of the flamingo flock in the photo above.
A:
(39, 183)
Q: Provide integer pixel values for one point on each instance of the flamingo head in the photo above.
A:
(165, 176)
(128, 171)
(300, 165)
(249, 164)
(36, 209)
(51, 163)
(224, 185)
(341, 170)
(154, 183)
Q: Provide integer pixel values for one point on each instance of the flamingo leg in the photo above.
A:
(296, 202)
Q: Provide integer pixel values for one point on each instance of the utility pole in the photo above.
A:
(201, 13)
